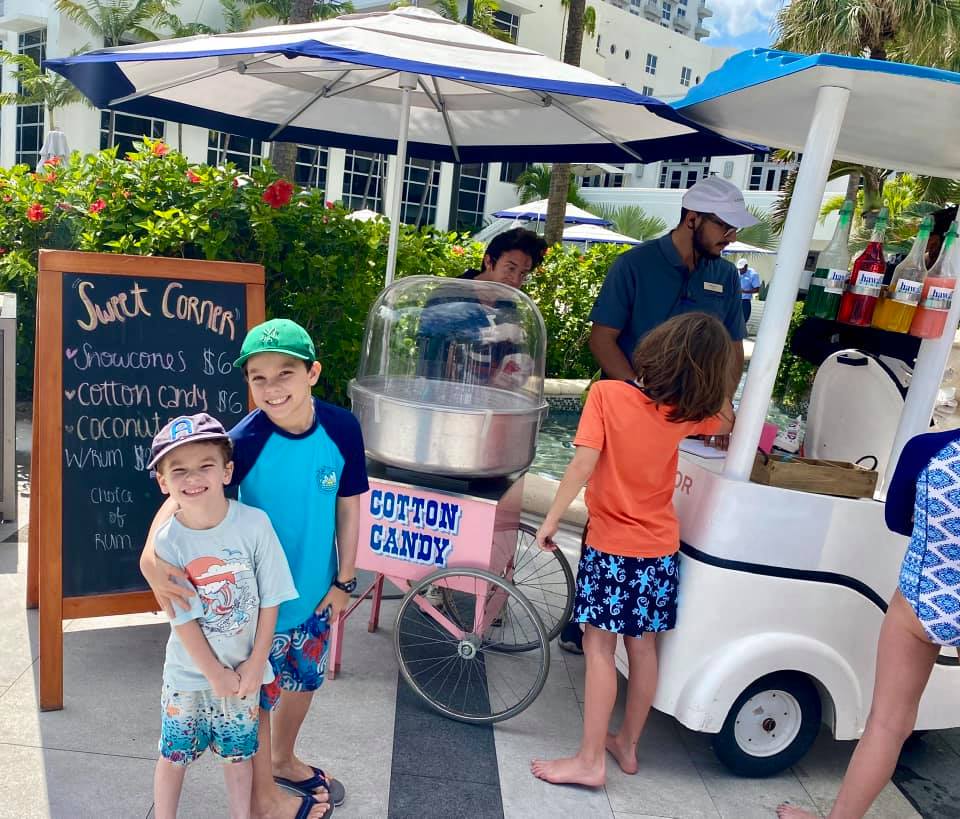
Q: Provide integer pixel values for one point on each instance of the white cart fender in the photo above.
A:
(706, 697)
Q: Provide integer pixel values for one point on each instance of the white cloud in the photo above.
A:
(734, 18)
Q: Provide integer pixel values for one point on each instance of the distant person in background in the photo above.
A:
(510, 258)
(749, 284)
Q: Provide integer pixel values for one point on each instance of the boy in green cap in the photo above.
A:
(302, 462)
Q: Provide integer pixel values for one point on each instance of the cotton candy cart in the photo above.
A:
(450, 399)
(783, 592)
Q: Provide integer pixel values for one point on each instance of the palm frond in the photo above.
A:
(764, 234)
(630, 220)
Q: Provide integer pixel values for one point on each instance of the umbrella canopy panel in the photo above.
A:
(899, 116)
(537, 212)
(595, 234)
(336, 83)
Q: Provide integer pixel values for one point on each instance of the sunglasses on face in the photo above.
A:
(728, 230)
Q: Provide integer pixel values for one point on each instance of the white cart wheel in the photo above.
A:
(771, 725)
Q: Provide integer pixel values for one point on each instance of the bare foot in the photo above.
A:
(283, 804)
(788, 811)
(626, 755)
(570, 770)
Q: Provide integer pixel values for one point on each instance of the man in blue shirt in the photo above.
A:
(681, 272)
(749, 284)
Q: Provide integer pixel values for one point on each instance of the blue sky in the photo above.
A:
(741, 24)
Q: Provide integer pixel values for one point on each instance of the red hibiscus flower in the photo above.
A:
(330, 205)
(53, 160)
(278, 194)
(193, 177)
(236, 182)
(96, 207)
(458, 250)
(36, 213)
(159, 149)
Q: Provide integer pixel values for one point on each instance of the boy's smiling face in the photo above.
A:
(194, 474)
(280, 385)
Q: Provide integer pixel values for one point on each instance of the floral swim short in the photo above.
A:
(193, 721)
(298, 658)
(627, 595)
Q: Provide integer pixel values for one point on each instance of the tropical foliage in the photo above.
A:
(38, 87)
(534, 184)
(630, 220)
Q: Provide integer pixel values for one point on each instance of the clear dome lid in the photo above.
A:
(455, 343)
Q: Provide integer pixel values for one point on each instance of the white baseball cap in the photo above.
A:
(742, 263)
(721, 198)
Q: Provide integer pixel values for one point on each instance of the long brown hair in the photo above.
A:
(684, 364)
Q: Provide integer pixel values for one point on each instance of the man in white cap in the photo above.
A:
(681, 272)
(749, 284)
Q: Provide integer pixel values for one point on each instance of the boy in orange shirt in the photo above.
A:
(628, 578)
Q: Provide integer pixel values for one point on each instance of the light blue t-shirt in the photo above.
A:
(296, 480)
(749, 280)
(236, 568)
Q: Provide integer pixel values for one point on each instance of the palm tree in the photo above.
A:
(589, 21)
(764, 234)
(916, 31)
(38, 86)
(115, 21)
(631, 220)
(534, 184)
(560, 175)
(482, 17)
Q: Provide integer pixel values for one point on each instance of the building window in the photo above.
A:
(472, 196)
(767, 174)
(626, 54)
(635, 6)
(651, 67)
(685, 74)
(666, 11)
(364, 180)
(604, 180)
(647, 91)
(511, 171)
(244, 152)
(682, 2)
(510, 23)
(421, 179)
(311, 168)
(613, 48)
(665, 24)
(30, 129)
(681, 12)
(127, 129)
(685, 173)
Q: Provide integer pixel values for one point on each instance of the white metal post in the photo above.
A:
(407, 83)
(924, 384)
(797, 232)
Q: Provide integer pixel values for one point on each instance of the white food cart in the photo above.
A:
(783, 592)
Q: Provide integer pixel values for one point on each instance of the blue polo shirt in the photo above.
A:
(296, 480)
(650, 283)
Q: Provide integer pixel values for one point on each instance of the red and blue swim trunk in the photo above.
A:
(298, 657)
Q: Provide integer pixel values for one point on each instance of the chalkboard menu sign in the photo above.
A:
(124, 344)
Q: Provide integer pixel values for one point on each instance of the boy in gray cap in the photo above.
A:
(217, 654)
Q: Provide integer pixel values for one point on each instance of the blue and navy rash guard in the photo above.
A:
(902, 494)
(296, 480)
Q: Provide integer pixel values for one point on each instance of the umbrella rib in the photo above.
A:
(587, 124)
(382, 75)
(200, 75)
(321, 93)
(441, 105)
(540, 102)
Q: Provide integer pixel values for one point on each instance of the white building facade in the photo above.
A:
(653, 47)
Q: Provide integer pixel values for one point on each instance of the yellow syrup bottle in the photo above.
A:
(899, 302)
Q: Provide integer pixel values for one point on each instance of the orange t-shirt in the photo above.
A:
(630, 493)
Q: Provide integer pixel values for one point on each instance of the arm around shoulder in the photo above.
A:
(166, 581)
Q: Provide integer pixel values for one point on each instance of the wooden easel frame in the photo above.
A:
(44, 554)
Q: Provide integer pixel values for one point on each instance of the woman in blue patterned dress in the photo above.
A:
(923, 501)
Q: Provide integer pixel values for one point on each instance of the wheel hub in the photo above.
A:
(768, 723)
(467, 648)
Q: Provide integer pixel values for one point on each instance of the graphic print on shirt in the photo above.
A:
(227, 602)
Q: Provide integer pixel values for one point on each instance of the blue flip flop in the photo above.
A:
(307, 803)
(334, 787)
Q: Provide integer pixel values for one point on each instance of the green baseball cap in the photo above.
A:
(278, 336)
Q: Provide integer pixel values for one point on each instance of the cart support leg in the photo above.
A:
(375, 592)
(797, 231)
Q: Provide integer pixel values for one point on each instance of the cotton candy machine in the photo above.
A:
(451, 378)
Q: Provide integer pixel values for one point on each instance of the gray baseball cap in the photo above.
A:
(185, 429)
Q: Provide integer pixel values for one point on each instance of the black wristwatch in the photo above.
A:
(349, 587)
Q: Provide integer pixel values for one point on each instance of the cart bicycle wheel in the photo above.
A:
(543, 578)
(463, 674)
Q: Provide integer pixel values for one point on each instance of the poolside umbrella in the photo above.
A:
(407, 82)
(596, 235)
(537, 212)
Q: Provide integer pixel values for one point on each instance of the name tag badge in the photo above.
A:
(713, 287)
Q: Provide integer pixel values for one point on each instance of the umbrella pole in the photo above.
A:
(407, 83)
(801, 219)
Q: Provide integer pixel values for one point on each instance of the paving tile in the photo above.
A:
(461, 799)
(926, 774)
(39, 783)
(18, 635)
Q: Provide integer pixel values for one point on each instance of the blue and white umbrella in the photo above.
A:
(537, 212)
(407, 82)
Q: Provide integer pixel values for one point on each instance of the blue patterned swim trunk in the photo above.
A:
(930, 573)
(298, 658)
(193, 721)
(631, 596)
